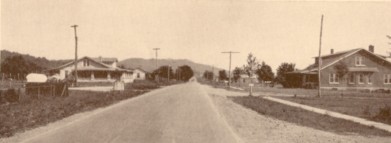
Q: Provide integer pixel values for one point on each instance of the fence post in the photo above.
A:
(38, 93)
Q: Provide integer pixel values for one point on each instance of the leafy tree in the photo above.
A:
(236, 73)
(185, 72)
(281, 73)
(223, 75)
(341, 69)
(208, 75)
(163, 71)
(251, 66)
(18, 65)
(265, 73)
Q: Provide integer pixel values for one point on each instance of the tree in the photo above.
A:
(341, 69)
(236, 73)
(251, 66)
(208, 75)
(18, 65)
(185, 72)
(265, 73)
(281, 73)
(223, 75)
(163, 71)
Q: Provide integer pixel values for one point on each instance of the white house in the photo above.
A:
(139, 74)
(94, 70)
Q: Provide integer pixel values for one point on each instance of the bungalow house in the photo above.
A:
(94, 70)
(353, 69)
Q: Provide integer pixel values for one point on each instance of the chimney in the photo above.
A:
(100, 58)
(331, 51)
(371, 49)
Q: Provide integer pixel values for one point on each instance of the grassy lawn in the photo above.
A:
(306, 118)
(372, 108)
(29, 113)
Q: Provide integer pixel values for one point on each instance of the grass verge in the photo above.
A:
(30, 113)
(306, 118)
(371, 108)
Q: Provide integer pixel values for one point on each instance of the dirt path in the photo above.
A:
(254, 128)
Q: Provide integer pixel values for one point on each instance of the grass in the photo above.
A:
(306, 118)
(29, 113)
(365, 107)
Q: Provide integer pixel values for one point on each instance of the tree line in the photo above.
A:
(253, 68)
(183, 73)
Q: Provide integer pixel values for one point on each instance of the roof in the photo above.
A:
(363, 69)
(331, 59)
(72, 62)
(105, 60)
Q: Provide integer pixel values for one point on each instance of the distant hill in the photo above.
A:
(145, 64)
(149, 64)
(41, 61)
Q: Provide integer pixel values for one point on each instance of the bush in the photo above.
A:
(11, 95)
(384, 114)
(143, 84)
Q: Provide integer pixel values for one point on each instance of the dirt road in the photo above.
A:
(180, 113)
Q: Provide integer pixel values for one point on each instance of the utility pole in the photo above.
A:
(168, 72)
(74, 27)
(156, 49)
(319, 58)
(229, 71)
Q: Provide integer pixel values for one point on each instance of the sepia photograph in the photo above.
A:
(195, 71)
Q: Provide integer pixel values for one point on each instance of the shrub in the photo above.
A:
(11, 95)
(384, 114)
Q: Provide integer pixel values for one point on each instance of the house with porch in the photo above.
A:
(357, 69)
(94, 70)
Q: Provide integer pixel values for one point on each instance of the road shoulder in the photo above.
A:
(253, 127)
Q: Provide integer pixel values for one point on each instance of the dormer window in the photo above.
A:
(359, 61)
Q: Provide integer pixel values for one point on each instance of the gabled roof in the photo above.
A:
(331, 59)
(72, 62)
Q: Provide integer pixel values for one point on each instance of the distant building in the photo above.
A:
(139, 74)
(94, 70)
(352, 69)
(246, 79)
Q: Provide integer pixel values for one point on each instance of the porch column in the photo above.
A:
(108, 76)
(92, 76)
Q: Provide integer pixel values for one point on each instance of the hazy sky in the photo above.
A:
(198, 30)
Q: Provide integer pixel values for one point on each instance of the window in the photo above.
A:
(387, 78)
(86, 62)
(138, 75)
(369, 79)
(351, 78)
(333, 78)
(359, 61)
(360, 78)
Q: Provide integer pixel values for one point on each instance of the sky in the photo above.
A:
(198, 30)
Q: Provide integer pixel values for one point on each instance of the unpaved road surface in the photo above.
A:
(181, 113)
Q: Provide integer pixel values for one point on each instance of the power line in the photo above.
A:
(229, 71)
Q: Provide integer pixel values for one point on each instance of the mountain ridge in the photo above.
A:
(150, 64)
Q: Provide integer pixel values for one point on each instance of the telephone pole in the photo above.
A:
(156, 49)
(319, 58)
(74, 27)
(229, 71)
